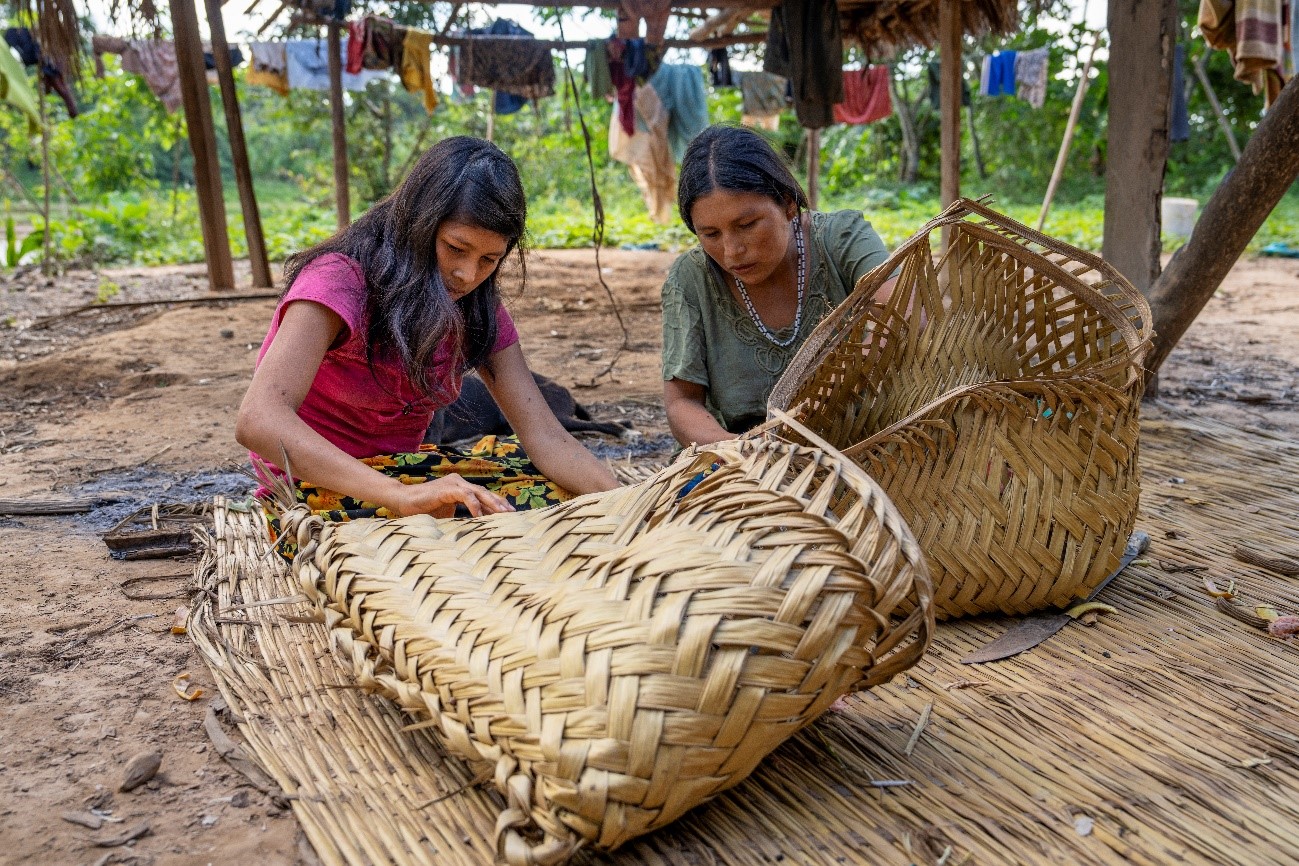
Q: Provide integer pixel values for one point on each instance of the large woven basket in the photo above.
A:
(994, 395)
(623, 657)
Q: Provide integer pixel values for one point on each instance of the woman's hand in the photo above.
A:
(440, 497)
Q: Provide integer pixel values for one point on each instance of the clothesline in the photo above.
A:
(554, 44)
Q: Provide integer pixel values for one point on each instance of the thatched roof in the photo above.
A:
(884, 26)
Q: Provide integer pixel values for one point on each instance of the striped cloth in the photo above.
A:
(1253, 32)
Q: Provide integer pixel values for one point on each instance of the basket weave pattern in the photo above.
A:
(622, 657)
(994, 395)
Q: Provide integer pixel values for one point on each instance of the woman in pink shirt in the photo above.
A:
(377, 327)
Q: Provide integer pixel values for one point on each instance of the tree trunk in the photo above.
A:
(342, 192)
(1142, 35)
(909, 159)
(1267, 168)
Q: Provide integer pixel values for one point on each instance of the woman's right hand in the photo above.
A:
(440, 497)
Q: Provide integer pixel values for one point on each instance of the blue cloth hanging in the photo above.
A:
(1001, 74)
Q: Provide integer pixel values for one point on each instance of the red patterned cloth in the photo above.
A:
(866, 96)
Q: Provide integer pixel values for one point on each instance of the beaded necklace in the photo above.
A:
(798, 314)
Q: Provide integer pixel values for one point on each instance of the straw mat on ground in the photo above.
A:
(994, 396)
(1165, 733)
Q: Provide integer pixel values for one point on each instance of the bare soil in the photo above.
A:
(140, 402)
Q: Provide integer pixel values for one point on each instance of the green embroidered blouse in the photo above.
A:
(710, 340)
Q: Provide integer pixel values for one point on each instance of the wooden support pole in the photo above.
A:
(949, 99)
(1212, 96)
(1142, 36)
(342, 195)
(202, 143)
(1233, 215)
(47, 256)
(813, 166)
(1061, 158)
(238, 149)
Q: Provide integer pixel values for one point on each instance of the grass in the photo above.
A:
(156, 228)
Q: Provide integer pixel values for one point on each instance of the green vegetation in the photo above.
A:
(122, 177)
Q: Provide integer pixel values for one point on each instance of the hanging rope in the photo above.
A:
(597, 232)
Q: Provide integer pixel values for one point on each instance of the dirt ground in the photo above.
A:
(138, 404)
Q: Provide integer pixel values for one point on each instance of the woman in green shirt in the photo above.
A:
(766, 271)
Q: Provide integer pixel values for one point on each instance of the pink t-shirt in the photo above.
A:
(361, 412)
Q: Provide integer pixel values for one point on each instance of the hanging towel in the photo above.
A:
(236, 58)
(998, 74)
(383, 41)
(647, 153)
(308, 66)
(16, 90)
(1251, 31)
(596, 68)
(269, 67)
(355, 46)
(1030, 75)
(762, 94)
(680, 90)
(155, 61)
(719, 68)
(506, 57)
(415, 75)
(504, 102)
(805, 45)
(769, 122)
(866, 96)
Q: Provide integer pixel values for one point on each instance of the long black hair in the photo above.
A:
(736, 159)
(408, 308)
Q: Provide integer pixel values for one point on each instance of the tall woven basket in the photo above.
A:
(994, 395)
(623, 657)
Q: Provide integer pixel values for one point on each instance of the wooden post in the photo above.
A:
(949, 98)
(342, 195)
(202, 143)
(1142, 36)
(1232, 216)
(1063, 156)
(813, 166)
(238, 149)
(1212, 96)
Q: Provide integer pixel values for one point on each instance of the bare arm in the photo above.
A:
(559, 456)
(688, 417)
(268, 421)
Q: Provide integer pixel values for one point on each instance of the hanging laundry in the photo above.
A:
(506, 57)
(383, 42)
(998, 77)
(415, 74)
(355, 46)
(1252, 32)
(308, 66)
(805, 45)
(154, 60)
(29, 51)
(866, 96)
(269, 67)
(680, 89)
(762, 94)
(596, 68)
(1030, 75)
(16, 90)
(236, 58)
(770, 122)
(647, 154)
(719, 68)
(1294, 37)
(462, 92)
(504, 102)
(1179, 122)
(934, 71)
(624, 86)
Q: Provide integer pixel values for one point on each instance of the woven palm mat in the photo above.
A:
(1164, 733)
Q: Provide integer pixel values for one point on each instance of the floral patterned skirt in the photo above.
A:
(498, 463)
